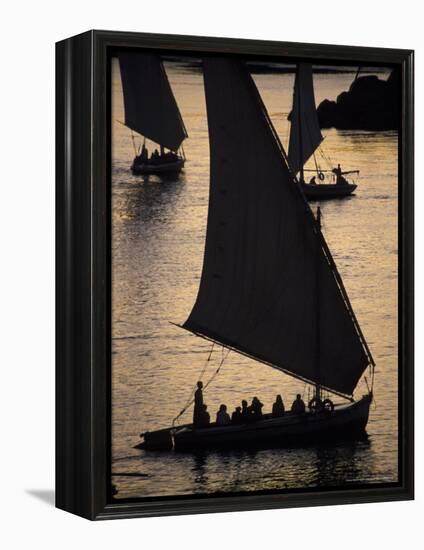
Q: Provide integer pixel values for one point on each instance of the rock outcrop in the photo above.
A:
(370, 104)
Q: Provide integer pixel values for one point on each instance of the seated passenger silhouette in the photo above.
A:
(205, 418)
(278, 407)
(222, 417)
(298, 406)
(256, 408)
(246, 414)
(236, 417)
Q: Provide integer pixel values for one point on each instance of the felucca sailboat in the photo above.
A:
(306, 138)
(269, 289)
(152, 111)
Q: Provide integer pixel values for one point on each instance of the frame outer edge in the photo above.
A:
(74, 382)
(82, 351)
(406, 278)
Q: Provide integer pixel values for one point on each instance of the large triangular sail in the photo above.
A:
(150, 106)
(305, 133)
(265, 269)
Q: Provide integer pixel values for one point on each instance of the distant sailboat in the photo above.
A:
(269, 288)
(306, 137)
(151, 110)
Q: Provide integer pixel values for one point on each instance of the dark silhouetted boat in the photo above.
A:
(324, 191)
(152, 111)
(305, 140)
(269, 289)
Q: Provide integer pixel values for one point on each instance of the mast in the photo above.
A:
(298, 92)
(357, 73)
(318, 319)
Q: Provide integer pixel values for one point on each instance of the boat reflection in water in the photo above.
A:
(270, 289)
(344, 464)
(325, 466)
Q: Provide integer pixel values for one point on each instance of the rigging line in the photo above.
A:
(190, 398)
(132, 137)
(327, 159)
(357, 73)
(372, 367)
(317, 168)
(322, 155)
(133, 142)
(224, 357)
(265, 362)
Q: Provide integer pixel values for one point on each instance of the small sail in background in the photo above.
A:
(305, 133)
(150, 106)
(265, 270)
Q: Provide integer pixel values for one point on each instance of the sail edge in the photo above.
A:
(198, 331)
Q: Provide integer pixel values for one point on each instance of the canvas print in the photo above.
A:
(254, 275)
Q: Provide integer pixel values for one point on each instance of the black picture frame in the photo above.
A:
(83, 280)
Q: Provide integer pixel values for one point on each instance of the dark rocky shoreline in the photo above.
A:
(370, 104)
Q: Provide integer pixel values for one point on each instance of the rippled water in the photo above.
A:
(158, 233)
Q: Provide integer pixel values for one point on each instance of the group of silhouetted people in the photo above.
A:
(245, 414)
(157, 157)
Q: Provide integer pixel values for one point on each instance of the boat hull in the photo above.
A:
(327, 190)
(345, 422)
(157, 169)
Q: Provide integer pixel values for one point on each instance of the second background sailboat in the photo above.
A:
(306, 138)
